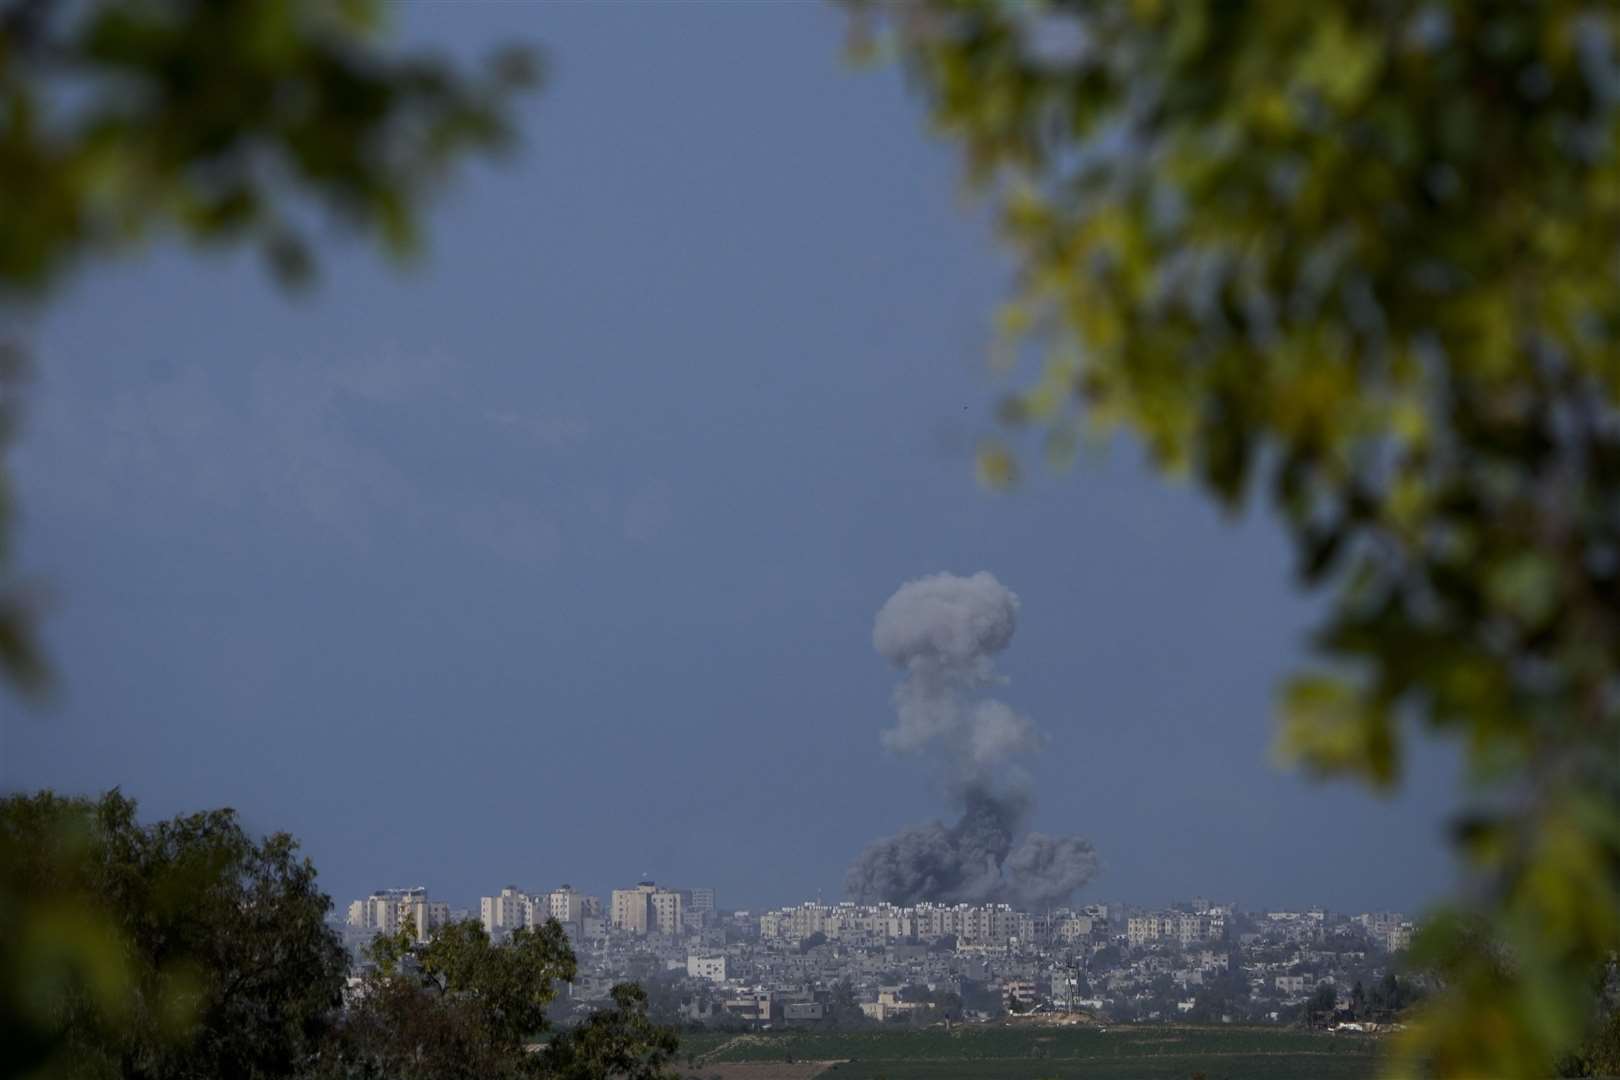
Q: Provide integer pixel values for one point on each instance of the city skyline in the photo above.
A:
(935, 962)
(477, 907)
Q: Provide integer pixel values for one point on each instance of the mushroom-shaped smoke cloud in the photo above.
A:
(944, 631)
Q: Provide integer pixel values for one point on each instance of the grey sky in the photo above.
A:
(557, 558)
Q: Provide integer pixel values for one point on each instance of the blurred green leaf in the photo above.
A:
(1361, 257)
(184, 948)
(221, 122)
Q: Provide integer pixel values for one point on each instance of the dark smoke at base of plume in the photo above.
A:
(973, 861)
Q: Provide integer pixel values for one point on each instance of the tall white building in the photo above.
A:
(570, 907)
(386, 910)
(633, 910)
(424, 914)
(667, 907)
(504, 913)
(647, 909)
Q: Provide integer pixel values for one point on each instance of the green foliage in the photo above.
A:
(180, 949)
(222, 122)
(217, 119)
(187, 949)
(1600, 1055)
(455, 1005)
(616, 1042)
(935, 1005)
(1319, 1010)
(512, 983)
(399, 1031)
(1358, 256)
(459, 1005)
(1026, 1051)
(844, 1007)
(21, 661)
(388, 951)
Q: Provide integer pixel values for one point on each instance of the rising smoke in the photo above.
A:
(944, 631)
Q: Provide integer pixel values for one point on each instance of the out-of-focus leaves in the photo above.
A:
(21, 658)
(184, 948)
(243, 122)
(998, 469)
(1329, 726)
(21, 661)
(222, 121)
(1359, 256)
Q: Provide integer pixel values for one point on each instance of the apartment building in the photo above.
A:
(632, 909)
(387, 910)
(504, 913)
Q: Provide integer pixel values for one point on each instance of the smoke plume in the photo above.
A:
(943, 632)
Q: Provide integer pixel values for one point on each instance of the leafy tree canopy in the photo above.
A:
(181, 949)
(616, 1042)
(1358, 257)
(187, 949)
(459, 1005)
(455, 1005)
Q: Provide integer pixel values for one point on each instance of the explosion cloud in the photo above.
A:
(943, 632)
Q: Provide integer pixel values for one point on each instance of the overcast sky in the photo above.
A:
(556, 558)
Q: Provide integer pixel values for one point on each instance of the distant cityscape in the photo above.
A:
(817, 963)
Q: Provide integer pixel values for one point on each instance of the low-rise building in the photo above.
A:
(712, 968)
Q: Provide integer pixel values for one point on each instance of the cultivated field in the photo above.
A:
(1002, 1053)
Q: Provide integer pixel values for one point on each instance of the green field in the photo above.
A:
(1118, 1053)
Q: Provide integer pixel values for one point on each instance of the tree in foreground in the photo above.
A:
(454, 1006)
(1356, 258)
(620, 1042)
(181, 949)
(459, 1005)
(187, 949)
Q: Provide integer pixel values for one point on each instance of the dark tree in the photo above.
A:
(1319, 1010)
(620, 1042)
(843, 1007)
(461, 1006)
(181, 949)
(457, 1005)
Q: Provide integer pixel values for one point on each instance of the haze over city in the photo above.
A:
(556, 558)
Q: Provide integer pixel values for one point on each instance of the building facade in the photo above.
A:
(504, 913)
(386, 911)
(632, 908)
